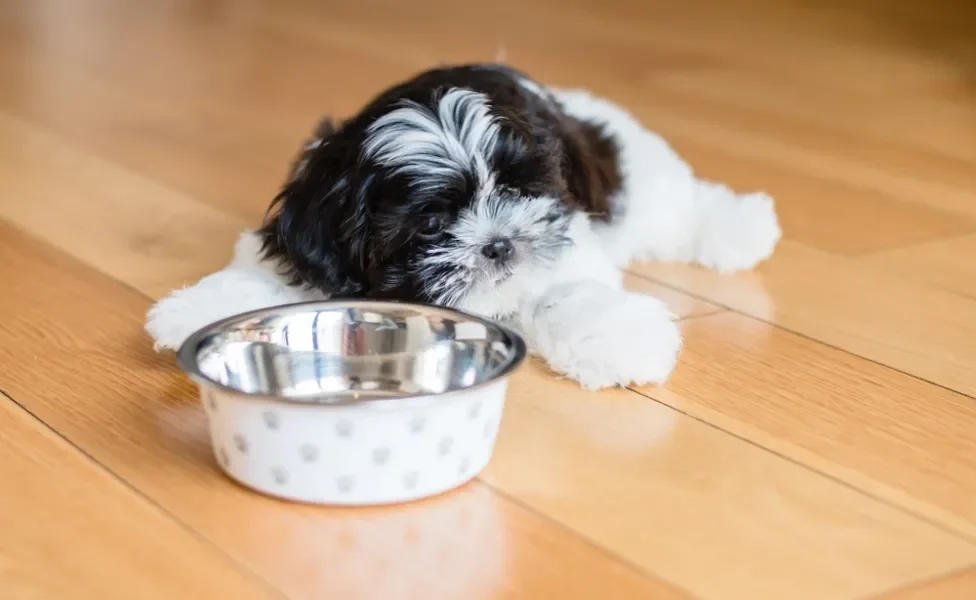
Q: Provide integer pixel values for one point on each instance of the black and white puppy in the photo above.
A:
(479, 188)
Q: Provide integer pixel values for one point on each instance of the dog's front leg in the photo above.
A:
(247, 283)
(601, 336)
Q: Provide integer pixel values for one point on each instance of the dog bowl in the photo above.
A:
(353, 403)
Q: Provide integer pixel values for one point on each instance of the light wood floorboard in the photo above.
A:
(815, 442)
(949, 264)
(957, 586)
(71, 530)
(921, 330)
(84, 367)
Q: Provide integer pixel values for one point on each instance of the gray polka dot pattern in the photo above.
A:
(381, 456)
(279, 475)
(344, 428)
(309, 452)
(339, 456)
(345, 483)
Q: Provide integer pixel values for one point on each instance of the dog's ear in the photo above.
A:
(323, 131)
(317, 226)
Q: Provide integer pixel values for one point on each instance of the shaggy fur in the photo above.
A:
(478, 188)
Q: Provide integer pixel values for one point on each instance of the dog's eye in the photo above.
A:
(432, 225)
(552, 217)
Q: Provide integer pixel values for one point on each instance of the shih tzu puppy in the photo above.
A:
(478, 188)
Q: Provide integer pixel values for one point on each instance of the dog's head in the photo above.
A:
(430, 194)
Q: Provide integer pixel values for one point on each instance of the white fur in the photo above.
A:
(584, 260)
(246, 283)
(474, 286)
(602, 336)
(665, 212)
(415, 140)
(573, 311)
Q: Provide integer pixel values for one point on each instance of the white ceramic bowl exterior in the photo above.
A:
(390, 452)
(353, 403)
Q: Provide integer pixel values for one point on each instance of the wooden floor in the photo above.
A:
(818, 440)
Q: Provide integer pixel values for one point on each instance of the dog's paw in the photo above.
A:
(741, 232)
(169, 321)
(219, 295)
(603, 337)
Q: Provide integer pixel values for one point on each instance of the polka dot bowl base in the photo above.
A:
(353, 402)
(412, 449)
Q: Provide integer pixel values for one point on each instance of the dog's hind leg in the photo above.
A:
(662, 210)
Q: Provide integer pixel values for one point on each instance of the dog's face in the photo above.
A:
(432, 200)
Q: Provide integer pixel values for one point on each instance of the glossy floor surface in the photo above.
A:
(818, 440)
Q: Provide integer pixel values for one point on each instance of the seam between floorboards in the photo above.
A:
(635, 568)
(911, 245)
(804, 336)
(718, 310)
(243, 568)
(971, 540)
(920, 583)
(724, 307)
(589, 542)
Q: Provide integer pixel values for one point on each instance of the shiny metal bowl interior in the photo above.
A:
(338, 352)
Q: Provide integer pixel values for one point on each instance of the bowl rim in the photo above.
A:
(188, 351)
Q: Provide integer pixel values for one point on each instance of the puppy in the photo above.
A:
(478, 188)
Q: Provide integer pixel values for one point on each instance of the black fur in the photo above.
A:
(352, 228)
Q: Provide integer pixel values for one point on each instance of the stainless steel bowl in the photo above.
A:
(377, 395)
(342, 352)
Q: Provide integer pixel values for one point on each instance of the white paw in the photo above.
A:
(223, 294)
(742, 231)
(171, 320)
(604, 337)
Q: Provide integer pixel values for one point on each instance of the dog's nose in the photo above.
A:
(498, 250)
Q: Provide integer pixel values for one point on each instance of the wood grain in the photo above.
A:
(900, 438)
(234, 157)
(85, 368)
(957, 586)
(194, 122)
(116, 221)
(104, 389)
(682, 305)
(816, 444)
(837, 216)
(136, 231)
(947, 264)
(922, 331)
(71, 530)
(678, 496)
